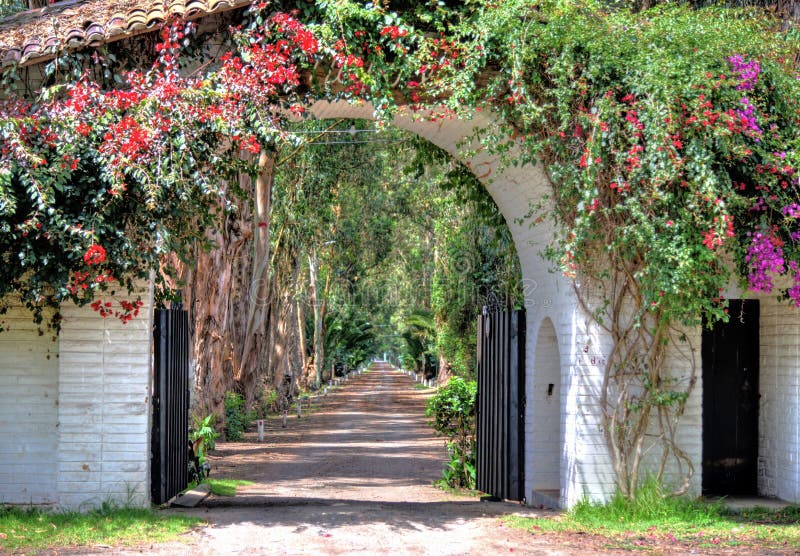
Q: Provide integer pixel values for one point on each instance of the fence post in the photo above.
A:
(261, 430)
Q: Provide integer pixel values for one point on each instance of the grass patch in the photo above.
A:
(441, 484)
(226, 487)
(25, 530)
(652, 521)
(419, 386)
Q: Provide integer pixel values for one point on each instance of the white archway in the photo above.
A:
(514, 189)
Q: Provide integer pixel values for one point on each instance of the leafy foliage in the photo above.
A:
(348, 342)
(670, 140)
(202, 438)
(453, 411)
(237, 418)
(8, 7)
(420, 337)
(134, 171)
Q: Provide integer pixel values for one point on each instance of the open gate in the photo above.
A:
(501, 404)
(169, 472)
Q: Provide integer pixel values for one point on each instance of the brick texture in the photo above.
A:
(28, 411)
(779, 409)
(74, 417)
(104, 409)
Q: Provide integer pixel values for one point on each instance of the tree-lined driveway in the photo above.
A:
(353, 476)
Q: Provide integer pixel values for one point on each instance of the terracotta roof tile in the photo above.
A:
(33, 35)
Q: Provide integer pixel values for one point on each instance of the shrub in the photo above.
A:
(237, 419)
(202, 437)
(453, 412)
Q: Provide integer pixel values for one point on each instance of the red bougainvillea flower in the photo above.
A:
(94, 255)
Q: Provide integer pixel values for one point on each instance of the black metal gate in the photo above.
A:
(169, 473)
(501, 404)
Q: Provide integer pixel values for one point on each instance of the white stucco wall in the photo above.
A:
(548, 411)
(28, 411)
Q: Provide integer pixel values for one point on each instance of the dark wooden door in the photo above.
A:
(730, 402)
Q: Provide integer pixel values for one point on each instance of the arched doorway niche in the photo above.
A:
(548, 419)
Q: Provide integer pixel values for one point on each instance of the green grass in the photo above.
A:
(226, 487)
(654, 520)
(441, 484)
(419, 386)
(25, 530)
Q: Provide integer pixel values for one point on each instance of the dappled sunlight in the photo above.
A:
(369, 438)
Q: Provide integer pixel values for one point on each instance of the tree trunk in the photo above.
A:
(227, 294)
(319, 346)
(254, 352)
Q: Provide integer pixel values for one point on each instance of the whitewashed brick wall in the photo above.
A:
(75, 412)
(28, 411)
(104, 409)
(779, 410)
(587, 466)
(682, 355)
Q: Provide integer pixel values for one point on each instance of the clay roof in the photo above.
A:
(36, 35)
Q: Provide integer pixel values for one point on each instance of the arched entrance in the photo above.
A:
(515, 189)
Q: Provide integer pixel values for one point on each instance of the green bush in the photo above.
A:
(453, 412)
(202, 437)
(237, 419)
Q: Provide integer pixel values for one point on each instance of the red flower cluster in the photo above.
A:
(127, 314)
(103, 308)
(126, 139)
(95, 255)
(712, 238)
(296, 32)
(250, 144)
(393, 31)
(129, 310)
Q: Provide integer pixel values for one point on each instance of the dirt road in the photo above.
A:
(354, 476)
